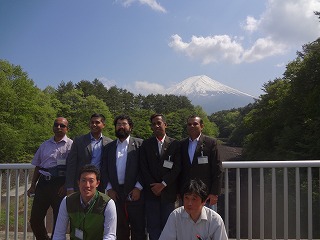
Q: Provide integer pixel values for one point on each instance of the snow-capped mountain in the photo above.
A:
(211, 95)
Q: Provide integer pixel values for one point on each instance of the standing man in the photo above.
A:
(120, 169)
(200, 159)
(193, 220)
(48, 179)
(160, 166)
(86, 149)
(92, 214)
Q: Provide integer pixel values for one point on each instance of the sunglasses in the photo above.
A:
(59, 125)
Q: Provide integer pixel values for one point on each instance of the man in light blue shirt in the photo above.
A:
(86, 149)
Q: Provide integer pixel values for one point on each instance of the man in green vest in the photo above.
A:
(92, 214)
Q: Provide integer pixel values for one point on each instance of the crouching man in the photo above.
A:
(92, 214)
(193, 220)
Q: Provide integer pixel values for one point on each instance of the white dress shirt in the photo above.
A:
(180, 226)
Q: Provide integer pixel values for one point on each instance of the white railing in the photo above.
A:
(256, 188)
(244, 205)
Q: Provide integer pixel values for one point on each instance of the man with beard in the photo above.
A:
(86, 149)
(120, 176)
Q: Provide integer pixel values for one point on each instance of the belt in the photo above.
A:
(49, 178)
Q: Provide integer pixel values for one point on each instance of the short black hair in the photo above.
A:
(195, 116)
(99, 115)
(196, 186)
(89, 168)
(158, 115)
(123, 117)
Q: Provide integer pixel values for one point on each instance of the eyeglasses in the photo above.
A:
(59, 125)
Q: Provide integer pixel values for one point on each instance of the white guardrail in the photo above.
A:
(260, 200)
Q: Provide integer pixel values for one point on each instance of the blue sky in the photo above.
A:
(146, 46)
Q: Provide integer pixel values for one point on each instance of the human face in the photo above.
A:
(193, 205)
(158, 127)
(60, 127)
(123, 129)
(194, 127)
(88, 184)
(96, 125)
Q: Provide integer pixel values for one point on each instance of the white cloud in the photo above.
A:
(107, 82)
(209, 49)
(223, 48)
(284, 25)
(153, 4)
(289, 21)
(145, 88)
(262, 48)
(251, 24)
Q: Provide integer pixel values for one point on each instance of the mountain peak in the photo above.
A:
(203, 85)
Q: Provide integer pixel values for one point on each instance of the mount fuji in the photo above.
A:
(211, 95)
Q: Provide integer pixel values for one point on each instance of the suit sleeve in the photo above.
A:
(71, 174)
(147, 179)
(103, 170)
(216, 169)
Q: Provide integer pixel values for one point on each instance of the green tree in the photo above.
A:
(25, 112)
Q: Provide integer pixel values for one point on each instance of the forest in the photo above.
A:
(283, 124)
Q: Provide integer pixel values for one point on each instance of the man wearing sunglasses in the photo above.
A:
(48, 179)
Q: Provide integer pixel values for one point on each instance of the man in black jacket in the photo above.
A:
(120, 175)
(200, 159)
(160, 166)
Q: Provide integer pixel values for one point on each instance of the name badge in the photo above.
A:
(78, 233)
(203, 160)
(167, 164)
(61, 161)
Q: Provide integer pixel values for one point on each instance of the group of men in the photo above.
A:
(116, 189)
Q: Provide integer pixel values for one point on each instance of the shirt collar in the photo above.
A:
(203, 215)
(126, 141)
(90, 201)
(196, 139)
(93, 139)
(162, 140)
(64, 139)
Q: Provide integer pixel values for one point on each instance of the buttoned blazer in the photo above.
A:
(132, 171)
(80, 155)
(153, 170)
(210, 173)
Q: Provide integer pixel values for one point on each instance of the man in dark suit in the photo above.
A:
(200, 159)
(120, 175)
(86, 149)
(160, 166)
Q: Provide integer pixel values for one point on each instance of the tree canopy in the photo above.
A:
(27, 112)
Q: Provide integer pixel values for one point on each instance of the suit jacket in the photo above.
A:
(153, 170)
(80, 155)
(132, 171)
(210, 173)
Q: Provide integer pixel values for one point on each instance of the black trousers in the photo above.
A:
(130, 218)
(46, 195)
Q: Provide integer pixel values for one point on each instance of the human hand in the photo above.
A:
(213, 199)
(31, 191)
(157, 188)
(112, 194)
(135, 194)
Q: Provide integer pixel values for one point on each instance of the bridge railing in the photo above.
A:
(260, 200)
